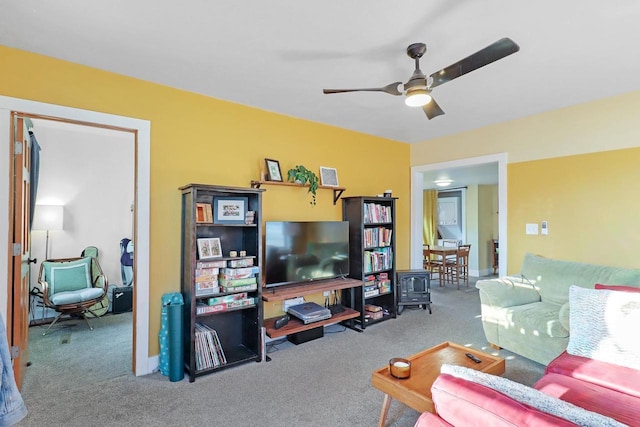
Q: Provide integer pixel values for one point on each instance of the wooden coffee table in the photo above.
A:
(415, 392)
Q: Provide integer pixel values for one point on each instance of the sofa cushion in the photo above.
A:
(620, 378)
(604, 326)
(553, 278)
(460, 402)
(539, 318)
(605, 401)
(563, 315)
(527, 396)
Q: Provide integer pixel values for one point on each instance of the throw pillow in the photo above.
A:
(604, 325)
(622, 288)
(68, 276)
(532, 397)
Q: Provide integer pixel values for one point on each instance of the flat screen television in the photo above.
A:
(298, 252)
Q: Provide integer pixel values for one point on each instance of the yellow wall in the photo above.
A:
(197, 139)
(589, 199)
(591, 202)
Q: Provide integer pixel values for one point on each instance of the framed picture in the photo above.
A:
(203, 213)
(209, 248)
(328, 177)
(229, 210)
(273, 170)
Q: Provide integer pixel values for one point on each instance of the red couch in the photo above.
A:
(599, 387)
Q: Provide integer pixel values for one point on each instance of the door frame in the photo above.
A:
(417, 203)
(142, 364)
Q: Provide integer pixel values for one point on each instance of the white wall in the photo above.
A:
(90, 171)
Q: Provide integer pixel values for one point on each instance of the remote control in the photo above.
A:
(472, 357)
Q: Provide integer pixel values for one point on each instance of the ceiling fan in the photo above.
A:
(418, 88)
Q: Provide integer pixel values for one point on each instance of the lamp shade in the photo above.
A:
(48, 217)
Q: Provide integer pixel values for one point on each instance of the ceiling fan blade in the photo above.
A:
(493, 52)
(391, 89)
(432, 109)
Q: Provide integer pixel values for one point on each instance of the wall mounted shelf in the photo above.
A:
(337, 191)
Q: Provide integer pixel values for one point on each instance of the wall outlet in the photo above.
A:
(290, 302)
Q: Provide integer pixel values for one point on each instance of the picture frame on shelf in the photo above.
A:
(230, 210)
(328, 176)
(273, 170)
(209, 248)
(204, 214)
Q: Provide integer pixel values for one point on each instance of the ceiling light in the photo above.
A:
(443, 182)
(417, 98)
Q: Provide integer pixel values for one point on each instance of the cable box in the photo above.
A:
(309, 312)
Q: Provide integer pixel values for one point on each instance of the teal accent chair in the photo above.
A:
(72, 286)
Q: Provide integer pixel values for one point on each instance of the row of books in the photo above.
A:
(378, 259)
(374, 213)
(209, 352)
(379, 236)
(213, 277)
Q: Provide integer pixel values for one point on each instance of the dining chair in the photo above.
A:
(457, 269)
(450, 243)
(431, 264)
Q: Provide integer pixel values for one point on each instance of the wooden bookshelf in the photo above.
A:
(337, 191)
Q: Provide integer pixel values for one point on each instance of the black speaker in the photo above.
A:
(122, 299)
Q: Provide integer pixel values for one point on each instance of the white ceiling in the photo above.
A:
(279, 55)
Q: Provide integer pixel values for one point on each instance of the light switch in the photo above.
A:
(544, 228)
(532, 229)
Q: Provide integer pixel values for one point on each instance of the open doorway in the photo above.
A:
(87, 173)
(417, 187)
(142, 364)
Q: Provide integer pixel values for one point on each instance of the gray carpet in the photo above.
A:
(324, 382)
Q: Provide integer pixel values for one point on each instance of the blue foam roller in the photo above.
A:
(176, 351)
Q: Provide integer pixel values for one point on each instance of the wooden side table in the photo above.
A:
(415, 391)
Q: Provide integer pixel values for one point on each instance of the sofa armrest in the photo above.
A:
(615, 377)
(506, 292)
(464, 403)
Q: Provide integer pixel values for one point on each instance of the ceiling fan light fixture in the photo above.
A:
(417, 98)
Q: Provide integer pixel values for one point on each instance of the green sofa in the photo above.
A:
(528, 314)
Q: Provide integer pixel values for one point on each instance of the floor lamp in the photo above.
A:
(48, 218)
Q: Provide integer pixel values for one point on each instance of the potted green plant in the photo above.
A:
(302, 175)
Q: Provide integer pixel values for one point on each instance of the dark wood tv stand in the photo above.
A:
(284, 292)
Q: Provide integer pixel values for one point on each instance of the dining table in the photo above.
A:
(442, 253)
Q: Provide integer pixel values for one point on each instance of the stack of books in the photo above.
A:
(373, 312)
(209, 353)
(207, 277)
(224, 303)
(238, 279)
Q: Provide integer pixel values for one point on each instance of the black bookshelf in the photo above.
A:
(238, 328)
(372, 257)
